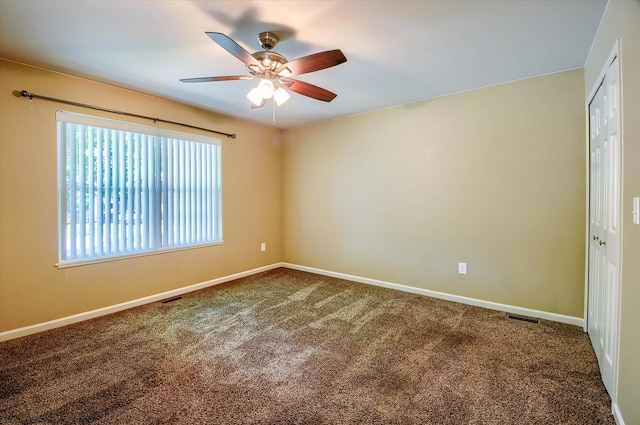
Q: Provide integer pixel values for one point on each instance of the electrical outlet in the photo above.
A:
(462, 268)
(263, 246)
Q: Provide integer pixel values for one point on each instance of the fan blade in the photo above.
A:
(309, 90)
(312, 63)
(234, 48)
(222, 78)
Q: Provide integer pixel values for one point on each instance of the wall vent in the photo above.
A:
(168, 300)
(522, 318)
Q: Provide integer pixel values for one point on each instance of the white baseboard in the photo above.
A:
(617, 415)
(571, 320)
(40, 327)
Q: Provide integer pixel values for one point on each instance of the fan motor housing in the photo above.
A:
(269, 60)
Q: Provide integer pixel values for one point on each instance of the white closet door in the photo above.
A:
(604, 224)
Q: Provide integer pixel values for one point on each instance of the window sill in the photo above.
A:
(88, 261)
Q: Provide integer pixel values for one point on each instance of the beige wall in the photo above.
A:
(622, 20)
(493, 177)
(32, 290)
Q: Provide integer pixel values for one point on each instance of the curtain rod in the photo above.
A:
(25, 93)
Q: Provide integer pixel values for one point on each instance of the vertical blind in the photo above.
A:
(125, 189)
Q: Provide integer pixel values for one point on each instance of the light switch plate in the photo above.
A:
(636, 210)
(462, 268)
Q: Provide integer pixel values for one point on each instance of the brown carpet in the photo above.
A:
(288, 347)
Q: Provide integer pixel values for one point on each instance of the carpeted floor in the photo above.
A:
(288, 347)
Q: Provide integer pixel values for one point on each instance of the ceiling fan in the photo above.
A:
(274, 70)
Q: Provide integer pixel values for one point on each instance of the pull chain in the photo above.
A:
(273, 109)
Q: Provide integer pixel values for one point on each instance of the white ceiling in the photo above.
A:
(398, 51)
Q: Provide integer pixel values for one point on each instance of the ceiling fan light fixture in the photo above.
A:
(255, 96)
(280, 96)
(266, 89)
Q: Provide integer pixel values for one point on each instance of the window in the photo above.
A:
(126, 189)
